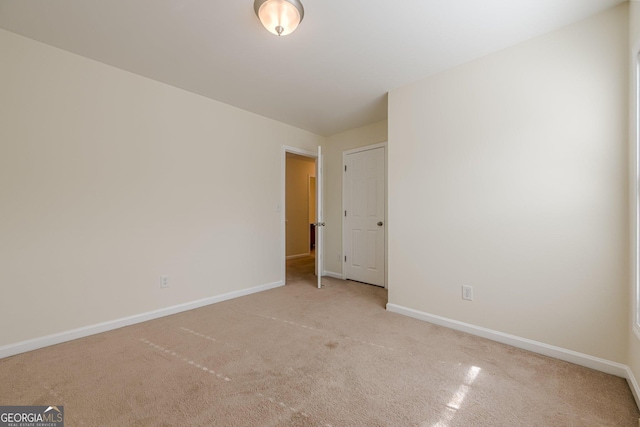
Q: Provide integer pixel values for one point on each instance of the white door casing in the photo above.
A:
(364, 216)
(319, 218)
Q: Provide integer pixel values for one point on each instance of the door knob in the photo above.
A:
(380, 224)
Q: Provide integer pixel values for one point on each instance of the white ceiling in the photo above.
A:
(332, 74)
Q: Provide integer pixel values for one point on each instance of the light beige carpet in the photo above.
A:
(300, 356)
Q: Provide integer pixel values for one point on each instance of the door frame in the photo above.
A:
(283, 202)
(386, 213)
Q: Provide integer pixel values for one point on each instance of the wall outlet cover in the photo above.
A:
(467, 292)
(164, 281)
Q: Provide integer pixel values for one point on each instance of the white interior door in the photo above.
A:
(319, 218)
(364, 204)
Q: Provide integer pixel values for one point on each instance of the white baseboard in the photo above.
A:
(36, 343)
(603, 365)
(332, 274)
(299, 256)
(633, 385)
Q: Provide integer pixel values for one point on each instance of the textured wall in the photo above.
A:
(509, 174)
(109, 180)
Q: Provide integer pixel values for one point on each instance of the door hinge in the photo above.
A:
(345, 213)
(345, 258)
(345, 168)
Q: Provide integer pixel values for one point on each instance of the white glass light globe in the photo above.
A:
(279, 17)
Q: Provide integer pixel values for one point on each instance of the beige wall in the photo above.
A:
(312, 199)
(333, 148)
(298, 171)
(509, 174)
(109, 180)
(634, 45)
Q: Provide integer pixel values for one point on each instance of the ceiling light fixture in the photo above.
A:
(280, 17)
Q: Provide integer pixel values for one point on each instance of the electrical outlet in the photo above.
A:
(467, 292)
(164, 281)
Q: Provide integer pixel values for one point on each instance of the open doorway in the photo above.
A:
(300, 217)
